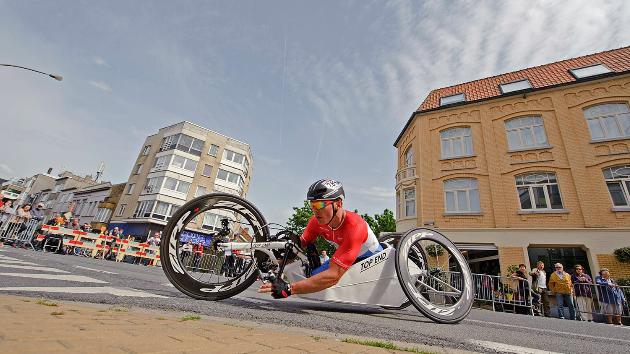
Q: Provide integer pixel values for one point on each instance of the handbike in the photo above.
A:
(420, 267)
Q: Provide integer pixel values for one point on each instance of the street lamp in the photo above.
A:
(56, 77)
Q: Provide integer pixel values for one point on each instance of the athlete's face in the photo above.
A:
(323, 210)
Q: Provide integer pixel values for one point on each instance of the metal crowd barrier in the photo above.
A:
(595, 302)
(17, 230)
(507, 294)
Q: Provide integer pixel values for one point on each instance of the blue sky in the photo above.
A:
(318, 89)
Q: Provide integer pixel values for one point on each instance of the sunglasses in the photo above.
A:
(320, 204)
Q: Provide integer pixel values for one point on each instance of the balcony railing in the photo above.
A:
(405, 173)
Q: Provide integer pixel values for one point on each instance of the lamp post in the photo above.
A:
(56, 77)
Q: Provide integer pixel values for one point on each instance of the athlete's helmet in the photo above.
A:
(325, 189)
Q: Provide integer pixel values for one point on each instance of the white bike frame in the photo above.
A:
(372, 281)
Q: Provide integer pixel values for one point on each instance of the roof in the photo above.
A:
(617, 60)
(540, 77)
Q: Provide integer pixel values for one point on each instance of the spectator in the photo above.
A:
(115, 232)
(198, 249)
(611, 297)
(6, 210)
(522, 288)
(539, 285)
(187, 249)
(75, 224)
(324, 257)
(582, 283)
(37, 214)
(154, 240)
(560, 284)
(60, 220)
(24, 212)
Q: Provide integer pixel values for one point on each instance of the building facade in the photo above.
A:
(86, 202)
(58, 198)
(175, 165)
(525, 166)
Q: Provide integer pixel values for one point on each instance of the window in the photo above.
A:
(538, 191)
(229, 177)
(146, 150)
(409, 157)
(456, 142)
(587, 71)
(214, 149)
(515, 86)
(137, 169)
(525, 133)
(210, 221)
(207, 170)
(102, 215)
(184, 163)
(144, 209)
(409, 195)
(162, 161)
(130, 188)
(153, 185)
(176, 185)
(608, 121)
(618, 182)
(446, 100)
(182, 142)
(461, 195)
(230, 155)
(161, 210)
(201, 190)
(121, 210)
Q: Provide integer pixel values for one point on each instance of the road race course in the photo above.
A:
(37, 274)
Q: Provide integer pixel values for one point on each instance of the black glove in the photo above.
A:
(280, 289)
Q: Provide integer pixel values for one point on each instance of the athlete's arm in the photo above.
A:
(320, 281)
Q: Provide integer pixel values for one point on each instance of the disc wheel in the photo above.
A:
(434, 275)
(213, 274)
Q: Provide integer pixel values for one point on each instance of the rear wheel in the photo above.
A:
(210, 275)
(434, 275)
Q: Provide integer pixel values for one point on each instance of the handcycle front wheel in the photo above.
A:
(434, 275)
(200, 276)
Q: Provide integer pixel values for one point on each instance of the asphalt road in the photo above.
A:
(37, 274)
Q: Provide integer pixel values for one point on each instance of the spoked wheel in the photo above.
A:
(214, 274)
(434, 275)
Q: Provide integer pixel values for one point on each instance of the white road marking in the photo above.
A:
(85, 290)
(69, 277)
(506, 348)
(11, 261)
(548, 331)
(95, 270)
(43, 269)
(168, 284)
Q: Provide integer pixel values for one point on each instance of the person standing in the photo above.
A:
(198, 249)
(539, 285)
(582, 284)
(611, 297)
(324, 257)
(560, 284)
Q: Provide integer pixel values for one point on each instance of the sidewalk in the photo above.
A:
(31, 325)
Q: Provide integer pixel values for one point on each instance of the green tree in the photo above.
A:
(386, 221)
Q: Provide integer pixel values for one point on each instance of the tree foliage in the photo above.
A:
(378, 223)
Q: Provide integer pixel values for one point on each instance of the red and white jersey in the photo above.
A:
(352, 239)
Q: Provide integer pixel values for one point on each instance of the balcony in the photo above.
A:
(405, 175)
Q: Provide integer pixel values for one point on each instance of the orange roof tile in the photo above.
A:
(617, 60)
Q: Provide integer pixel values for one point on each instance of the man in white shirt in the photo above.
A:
(324, 257)
(539, 288)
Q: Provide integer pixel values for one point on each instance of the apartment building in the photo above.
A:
(177, 164)
(525, 166)
(58, 198)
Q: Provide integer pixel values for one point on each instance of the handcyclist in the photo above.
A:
(346, 230)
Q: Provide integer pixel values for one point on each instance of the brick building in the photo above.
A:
(525, 166)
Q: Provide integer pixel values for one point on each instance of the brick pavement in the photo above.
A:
(31, 325)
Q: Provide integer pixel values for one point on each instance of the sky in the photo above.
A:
(318, 89)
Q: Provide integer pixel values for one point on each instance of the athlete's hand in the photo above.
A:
(280, 289)
(265, 288)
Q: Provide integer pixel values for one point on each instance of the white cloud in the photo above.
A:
(100, 62)
(5, 169)
(101, 86)
(375, 192)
